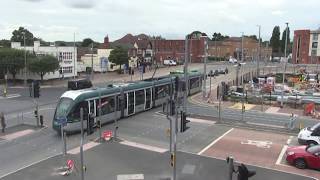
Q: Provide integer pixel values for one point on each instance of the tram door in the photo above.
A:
(148, 98)
(131, 103)
(92, 108)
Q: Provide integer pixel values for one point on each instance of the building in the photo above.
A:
(306, 47)
(232, 47)
(66, 56)
(175, 50)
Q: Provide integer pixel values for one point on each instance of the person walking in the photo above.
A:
(3, 122)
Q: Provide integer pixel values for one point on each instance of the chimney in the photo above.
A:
(106, 42)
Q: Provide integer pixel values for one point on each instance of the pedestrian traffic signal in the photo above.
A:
(172, 160)
(36, 89)
(172, 108)
(90, 124)
(36, 113)
(184, 122)
(244, 173)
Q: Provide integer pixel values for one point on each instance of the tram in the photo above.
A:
(118, 100)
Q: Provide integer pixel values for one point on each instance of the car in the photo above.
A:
(304, 156)
(213, 73)
(310, 135)
(170, 62)
(79, 84)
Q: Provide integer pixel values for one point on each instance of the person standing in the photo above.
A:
(3, 122)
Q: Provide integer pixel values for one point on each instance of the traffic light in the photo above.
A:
(172, 108)
(90, 124)
(36, 113)
(184, 122)
(176, 84)
(244, 173)
(36, 89)
(172, 160)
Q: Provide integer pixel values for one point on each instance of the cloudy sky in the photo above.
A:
(59, 19)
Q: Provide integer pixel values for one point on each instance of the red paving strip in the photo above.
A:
(255, 148)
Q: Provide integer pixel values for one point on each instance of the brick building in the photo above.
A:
(174, 49)
(305, 47)
(232, 47)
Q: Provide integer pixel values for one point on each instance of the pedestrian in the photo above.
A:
(3, 122)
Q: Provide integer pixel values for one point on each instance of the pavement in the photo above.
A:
(112, 160)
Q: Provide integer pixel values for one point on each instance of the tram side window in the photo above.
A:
(140, 97)
(162, 91)
(107, 105)
(75, 115)
(194, 83)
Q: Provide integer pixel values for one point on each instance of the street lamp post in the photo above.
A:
(285, 65)
(242, 47)
(205, 67)
(25, 59)
(92, 62)
(259, 53)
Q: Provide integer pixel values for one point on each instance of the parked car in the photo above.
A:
(223, 71)
(79, 84)
(310, 135)
(170, 62)
(213, 73)
(232, 60)
(304, 156)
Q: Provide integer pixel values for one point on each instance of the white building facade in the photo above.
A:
(66, 56)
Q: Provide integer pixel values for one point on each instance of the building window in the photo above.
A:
(315, 37)
(315, 45)
(314, 52)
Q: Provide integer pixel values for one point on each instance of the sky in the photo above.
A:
(54, 20)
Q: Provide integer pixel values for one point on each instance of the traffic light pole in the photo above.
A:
(81, 145)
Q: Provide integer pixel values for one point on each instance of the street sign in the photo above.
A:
(62, 121)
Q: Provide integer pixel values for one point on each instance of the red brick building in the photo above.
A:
(174, 49)
(305, 47)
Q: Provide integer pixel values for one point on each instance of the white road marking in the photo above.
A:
(130, 177)
(259, 144)
(85, 147)
(144, 146)
(196, 120)
(18, 134)
(278, 162)
(215, 141)
(289, 140)
(10, 96)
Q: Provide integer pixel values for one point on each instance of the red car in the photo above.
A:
(304, 156)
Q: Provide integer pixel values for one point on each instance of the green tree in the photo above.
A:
(275, 39)
(12, 60)
(43, 65)
(87, 42)
(17, 36)
(218, 37)
(5, 43)
(119, 56)
(283, 41)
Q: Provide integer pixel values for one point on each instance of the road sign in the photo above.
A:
(107, 134)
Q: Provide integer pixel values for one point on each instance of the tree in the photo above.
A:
(218, 37)
(283, 41)
(5, 43)
(12, 60)
(17, 36)
(43, 65)
(87, 42)
(119, 56)
(275, 39)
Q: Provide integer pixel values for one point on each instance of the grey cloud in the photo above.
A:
(81, 4)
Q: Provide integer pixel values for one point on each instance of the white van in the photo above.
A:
(310, 135)
(169, 62)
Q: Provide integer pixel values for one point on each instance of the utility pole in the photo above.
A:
(259, 53)
(92, 62)
(186, 56)
(205, 67)
(25, 59)
(285, 65)
(242, 59)
(75, 72)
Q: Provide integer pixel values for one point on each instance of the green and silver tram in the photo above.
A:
(118, 100)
